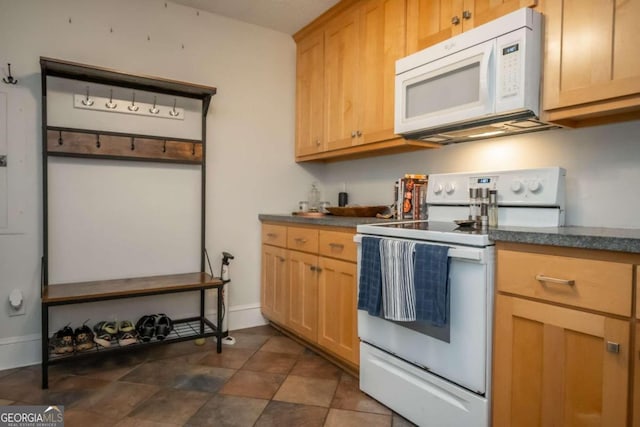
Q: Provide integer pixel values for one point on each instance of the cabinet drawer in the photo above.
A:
(302, 239)
(335, 244)
(275, 235)
(596, 285)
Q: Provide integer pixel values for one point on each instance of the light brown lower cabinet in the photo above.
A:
(565, 339)
(309, 286)
(556, 366)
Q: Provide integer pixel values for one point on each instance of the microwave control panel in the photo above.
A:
(511, 69)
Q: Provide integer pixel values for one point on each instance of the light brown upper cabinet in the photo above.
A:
(432, 21)
(310, 95)
(592, 66)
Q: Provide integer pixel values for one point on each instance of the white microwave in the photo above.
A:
(480, 84)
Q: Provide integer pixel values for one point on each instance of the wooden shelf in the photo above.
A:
(71, 293)
(89, 73)
(70, 142)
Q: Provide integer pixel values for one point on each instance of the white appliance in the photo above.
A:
(482, 83)
(443, 378)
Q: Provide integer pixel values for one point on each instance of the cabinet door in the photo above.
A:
(310, 95)
(303, 294)
(337, 306)
(552, 367)
(432, 21)
(636, 380)
(382, 42)
(274, 295)
(341, 79)
(592, 54)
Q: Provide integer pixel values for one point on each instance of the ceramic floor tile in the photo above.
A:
(228, 411)
(259, 330)
(232, 358)
(180, 349)
(341, 418)
(282, 344)
(252, 341)
(275, 363)
(117, 399)
(260, 385)
(280, 414)
(349, 396)
(158, 373)
(399, 421)
(171, 406)
(312, 365)
(308, 391)
(82, 418)
(202, 378)
(70, 391)
(137, 422)
(6, 372)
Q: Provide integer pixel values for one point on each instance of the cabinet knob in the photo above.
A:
(455, 20)
(466, 14)
(613, 347)
(317, 142)
(353, 134)
(358, 133)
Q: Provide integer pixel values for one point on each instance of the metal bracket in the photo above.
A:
(3, 161)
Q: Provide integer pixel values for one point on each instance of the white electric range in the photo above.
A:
(441, 376)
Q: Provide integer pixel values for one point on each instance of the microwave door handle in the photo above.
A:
(487, 73)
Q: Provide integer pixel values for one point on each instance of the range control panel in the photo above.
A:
(524, 187)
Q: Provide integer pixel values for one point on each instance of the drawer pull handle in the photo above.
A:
(300, 240)
(281, 258)
(613, 347)
(272, 235)
(541, 278)
(336, 245)
(314, 268)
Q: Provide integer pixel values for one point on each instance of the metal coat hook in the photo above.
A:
(174, 113)
(133, 106)
(154, 110)
(133, 143)
(87, 101)
(9, 80)
(98, 140)
(164, 146)
(60, 141)
(111, 105)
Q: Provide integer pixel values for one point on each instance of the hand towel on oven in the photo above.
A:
(431, 280)
(398, 292)
(370, 283)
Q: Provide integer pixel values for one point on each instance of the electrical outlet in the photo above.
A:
(19, 312)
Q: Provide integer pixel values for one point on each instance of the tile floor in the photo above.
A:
(265, 379)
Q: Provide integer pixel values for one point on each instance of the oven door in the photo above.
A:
(452, 89)
(464, 359)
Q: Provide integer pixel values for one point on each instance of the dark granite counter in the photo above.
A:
(327, 220)
(610, 239)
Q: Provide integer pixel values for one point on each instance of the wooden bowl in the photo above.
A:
(363, 211)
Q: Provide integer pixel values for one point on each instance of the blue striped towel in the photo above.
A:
(431, 281)
(370, 282)
(398, 292)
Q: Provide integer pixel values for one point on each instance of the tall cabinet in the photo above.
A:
(86, 144)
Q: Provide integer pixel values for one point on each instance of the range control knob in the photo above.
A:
(437, 188)
(516, 186)
(534, 185)
(450, 188)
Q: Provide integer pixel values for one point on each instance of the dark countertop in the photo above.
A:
(327, 220)
(610, 239)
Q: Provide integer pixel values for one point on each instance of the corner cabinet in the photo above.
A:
(563, 337)
(351, 90)
(592, 67)
(85, 143)
(432, 21)
(309, 287)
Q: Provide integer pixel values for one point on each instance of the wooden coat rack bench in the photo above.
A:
(88, 143)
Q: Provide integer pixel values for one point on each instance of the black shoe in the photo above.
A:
(146, 327)
(164, 326)
(83, 338)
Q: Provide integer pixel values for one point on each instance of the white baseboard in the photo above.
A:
(21, 351)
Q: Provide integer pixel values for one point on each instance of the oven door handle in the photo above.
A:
(458, 253)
